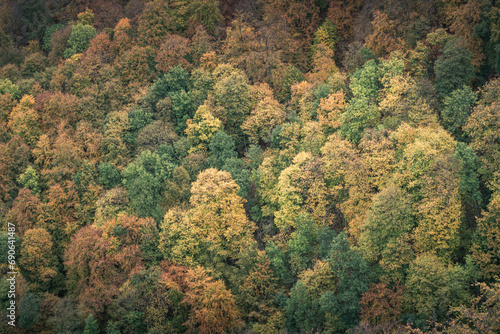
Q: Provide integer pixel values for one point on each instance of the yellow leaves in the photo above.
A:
(401, 101)
(432, 178)
(320, 279)
(24, 120)
(330, 108)
(268, 114)
(323, 64)
(123, 26)
(301, 189)
(201, 128)
(216, 226)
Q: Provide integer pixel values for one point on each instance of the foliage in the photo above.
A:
(79, 39)
(271, 166)
(453, 69)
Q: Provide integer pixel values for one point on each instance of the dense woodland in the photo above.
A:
(266, 166)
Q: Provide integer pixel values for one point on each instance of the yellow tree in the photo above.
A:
(485, 249)
(201, 128)
(268, 114)
(427, 172)
(330, 108)
(214, 231)
(345, 175)
(301, 189)
(24, 120)
(37, 261)
(323, 64)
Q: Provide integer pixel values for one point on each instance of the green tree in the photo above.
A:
(30, 180)
(6, 86)
(342, 307)
(78, 41)
(283, 78)
(221, 148)
(91, 326)
(109, 176)
(29, 311)
(485, 250)
(453, 69)
(432, 286)
(386, 237)
(482, 127)
(232, 103)
(358, 116)
(457, 108)
(144, 179)
(365, 82)
(240, 174)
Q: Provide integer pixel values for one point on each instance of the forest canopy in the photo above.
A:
(250, 166)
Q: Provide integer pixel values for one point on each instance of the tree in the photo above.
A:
(326, 34)
(404, 99)
(29, 311)
(432, 179)
(457, 108)
(485, 251)
(29, 180)
(365, 82)
(158, 19)
(173, 52)
(222, 148)
(214, 231)
(323, 64)
(178, 188)
(109, 176)
(481, 315)
(301, 189)
(24, 212)
(381, 306)
(91, 326)
(358, 116)
(213, 306)
(144, 179)
(330, 109)
(205, 12)
(78, 41)
(92, 274)
(6, 86)
(383, 39)
(137, 65)
(231, 99)
(268, 114)
(453, 69)
(386, 236)
(469, 183)
(201, 129)
(24, 120)
(67, 317)
(37, 261)
(482, 127)
(341, 306)
(432, 287)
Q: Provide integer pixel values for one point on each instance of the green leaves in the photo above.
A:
(78, 41)
(144, 179)
(454, 68)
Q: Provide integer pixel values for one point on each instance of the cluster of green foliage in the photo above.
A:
(274, 166)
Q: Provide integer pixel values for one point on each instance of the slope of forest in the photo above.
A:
(265, 166)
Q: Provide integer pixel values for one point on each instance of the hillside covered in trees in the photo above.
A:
(265, 166)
